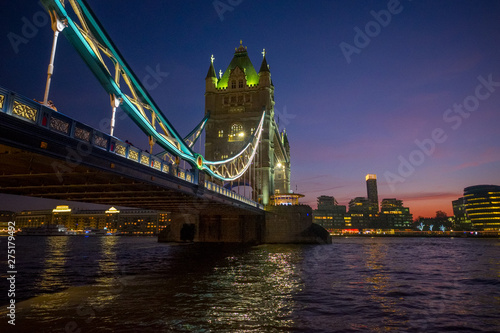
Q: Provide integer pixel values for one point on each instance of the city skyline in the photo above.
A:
(361, 88)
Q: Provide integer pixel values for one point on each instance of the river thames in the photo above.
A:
(134, 284)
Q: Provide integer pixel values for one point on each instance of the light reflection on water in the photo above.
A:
(129, 284)
(53, 271)
(261, 294)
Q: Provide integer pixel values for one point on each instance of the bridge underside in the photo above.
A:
(30, 174)
(39, 163)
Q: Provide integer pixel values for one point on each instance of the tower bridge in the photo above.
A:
(235, 101)
(45, 153)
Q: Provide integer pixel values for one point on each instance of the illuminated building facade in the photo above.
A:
(33, 218)
(286, 199)
(125, 222)
(329, 214)
(363, 212)
(460, 219)
(6, 216)
(482, 206)
(393, 215)
(371, 189)
(360, 211)
(236, 100)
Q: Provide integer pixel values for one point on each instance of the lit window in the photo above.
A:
(221, 133)
(237, 133)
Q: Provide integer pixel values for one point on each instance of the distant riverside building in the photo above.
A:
(285, 199)
(127, 221)
(33, 218)
(371, 189)
(460, 219)
(364, 212)
(393, 215)
(360, 212)
(329, 214)
(482, 206)
(6, 216)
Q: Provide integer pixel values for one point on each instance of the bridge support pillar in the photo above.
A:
(213, 228)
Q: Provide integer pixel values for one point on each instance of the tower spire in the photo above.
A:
(241, 48)
(211, 69)
(264, 67)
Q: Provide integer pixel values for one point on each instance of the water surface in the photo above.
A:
(132, 284)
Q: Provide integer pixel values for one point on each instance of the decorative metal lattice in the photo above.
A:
(82, 134)
(100, 141)
(59, 125)
(25, 111)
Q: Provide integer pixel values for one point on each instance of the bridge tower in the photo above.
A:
(236, 100)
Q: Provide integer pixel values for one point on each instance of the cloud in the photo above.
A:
(419, 196)
(491, 154)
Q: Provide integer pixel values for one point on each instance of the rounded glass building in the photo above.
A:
(482, 206)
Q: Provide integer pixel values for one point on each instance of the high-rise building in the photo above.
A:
(371, 189)
(482, 206)
(236, 100)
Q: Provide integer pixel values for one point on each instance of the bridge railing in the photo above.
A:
(35, 113)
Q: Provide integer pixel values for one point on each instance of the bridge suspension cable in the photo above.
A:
(93, 44)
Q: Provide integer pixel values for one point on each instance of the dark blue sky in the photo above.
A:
(346, 116)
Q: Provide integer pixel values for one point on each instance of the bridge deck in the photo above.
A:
(44, 153)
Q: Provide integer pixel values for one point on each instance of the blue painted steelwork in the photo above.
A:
(33, 112)
(91, 38)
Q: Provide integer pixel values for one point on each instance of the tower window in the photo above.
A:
(233, 84)
(240, 84)
(237, 133)
(221, 133)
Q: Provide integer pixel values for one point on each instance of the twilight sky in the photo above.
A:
(407, 90)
